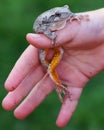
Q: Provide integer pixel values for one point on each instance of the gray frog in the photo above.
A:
(47, 23)
(53, 20)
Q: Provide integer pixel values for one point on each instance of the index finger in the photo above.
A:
(25, 63)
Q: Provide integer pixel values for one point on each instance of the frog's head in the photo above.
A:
(62, 13)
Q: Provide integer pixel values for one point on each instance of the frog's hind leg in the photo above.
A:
(42, 57)
(61, 89)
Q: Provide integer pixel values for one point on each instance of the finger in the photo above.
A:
(26, 62)
(68, 107)
(14, 98)
(36, 96)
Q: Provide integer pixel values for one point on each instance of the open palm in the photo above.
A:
(82, 59)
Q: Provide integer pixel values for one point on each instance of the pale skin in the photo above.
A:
(83, 58)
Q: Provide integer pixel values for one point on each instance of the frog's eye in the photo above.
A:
(66, 6)
(57, 14)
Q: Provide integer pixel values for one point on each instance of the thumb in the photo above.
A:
(38, 40)
(65, 35)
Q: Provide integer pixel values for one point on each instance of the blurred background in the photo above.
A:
(16, 20)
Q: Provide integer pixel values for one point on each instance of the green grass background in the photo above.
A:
(16, 20)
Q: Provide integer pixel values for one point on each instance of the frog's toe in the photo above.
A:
(63, 91)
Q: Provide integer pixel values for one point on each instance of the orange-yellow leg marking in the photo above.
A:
(53, 74)
(46, 52)
(53, 64)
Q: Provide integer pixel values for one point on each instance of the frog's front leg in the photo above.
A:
(47, 31)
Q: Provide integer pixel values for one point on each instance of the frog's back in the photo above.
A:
(45, 16)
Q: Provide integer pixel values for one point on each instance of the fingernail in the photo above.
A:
(31, 35)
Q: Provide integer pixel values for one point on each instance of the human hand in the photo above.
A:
(83, 46)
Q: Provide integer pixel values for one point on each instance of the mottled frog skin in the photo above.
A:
(52, 20)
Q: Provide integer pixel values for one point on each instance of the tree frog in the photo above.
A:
(48, 23)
